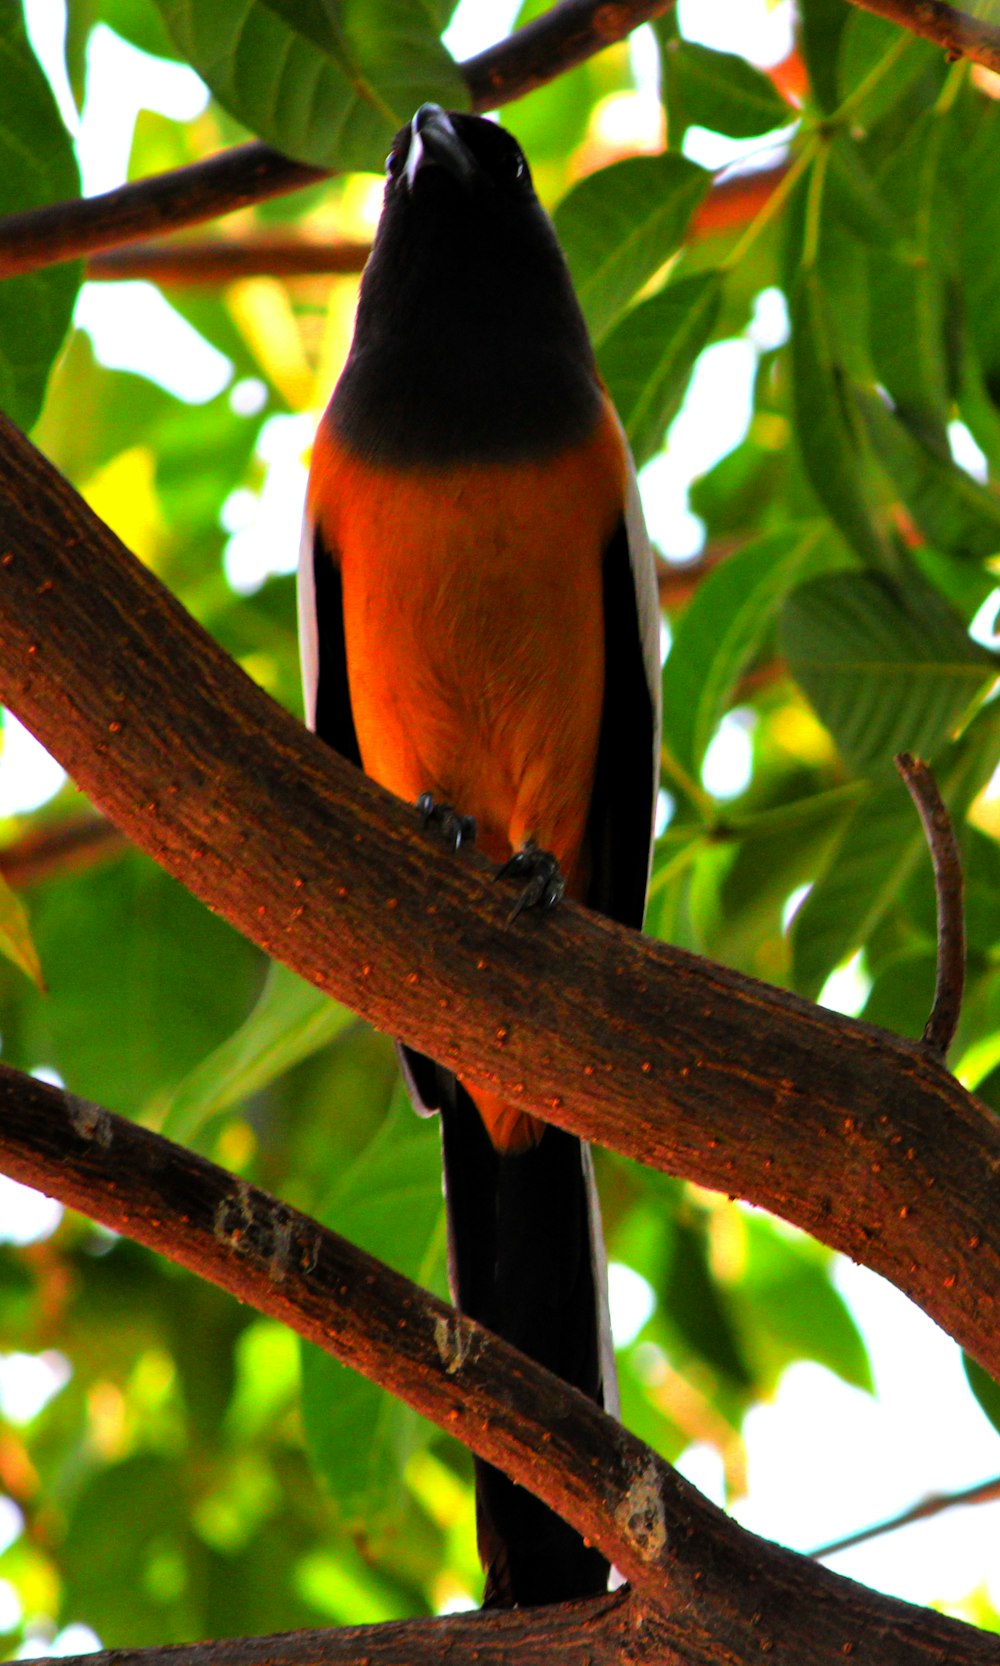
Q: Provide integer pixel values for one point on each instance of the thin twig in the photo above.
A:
(939, 1031)
(960, 35)
(934, 1505)
(548, 46)
(66, 848)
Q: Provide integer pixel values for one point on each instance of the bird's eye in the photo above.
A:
(512, 167)
(394, 161)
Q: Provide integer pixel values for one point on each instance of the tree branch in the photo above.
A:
(216, 260)
(918, 778)
(985, 1492)
(717, 1591)
(856, 1135)
(78, 842)
(570, 32)
(596, 1633)
(960, 35)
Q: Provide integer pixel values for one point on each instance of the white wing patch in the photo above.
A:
(308, 632)
(647, 604)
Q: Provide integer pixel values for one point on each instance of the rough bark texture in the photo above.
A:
(859, 1137)
(709, 1590)
(599, 1633)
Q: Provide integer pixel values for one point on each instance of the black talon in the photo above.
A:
(544, 884)
(456, 830)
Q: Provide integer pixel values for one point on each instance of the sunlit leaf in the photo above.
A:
(881, 847)
(290, 1021)
(886, 669)
(829, 430)
(16, 941)
(788, 1293)
(37, 166)
(987, 1391)
(722, 91)
(722, 627)
(390, 1203)
(876, 63)
(329, 86)
(951, 509)
(620, 225)
(648, 357)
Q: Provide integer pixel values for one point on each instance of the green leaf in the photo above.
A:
(721, 629)
(125, 940)
(980, 243)
(37, 166)
(953, 511)
(648, 357)
(912, 327)
(876, 64)
(722, 91)
(290, 1021)
(821, 26)
(830, 434)
(327, 85)
(881, 847)
(886, 669)
(740, 888)
(696, 1307)
(796, 1311)
(620, 225)
(986, 1390)
(390, 1204)
(855, 198)
(16, 941)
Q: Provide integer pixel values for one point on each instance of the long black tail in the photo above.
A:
(526, 1261)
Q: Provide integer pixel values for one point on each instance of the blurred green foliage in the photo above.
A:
(198, 1474)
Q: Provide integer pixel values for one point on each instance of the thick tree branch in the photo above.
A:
(570, 32)
(597, 1633)
(956, 32)
(856, 1135)
(718, 1592)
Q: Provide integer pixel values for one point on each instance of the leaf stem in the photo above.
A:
(775, 201)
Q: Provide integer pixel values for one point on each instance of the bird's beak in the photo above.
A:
(435, 144)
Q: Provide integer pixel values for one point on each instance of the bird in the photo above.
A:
(479, 631)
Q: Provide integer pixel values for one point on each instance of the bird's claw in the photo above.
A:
(455, 829)
(544, 885)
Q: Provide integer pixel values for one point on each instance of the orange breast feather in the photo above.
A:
(474, 631)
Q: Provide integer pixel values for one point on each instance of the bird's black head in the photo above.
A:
(469, 342)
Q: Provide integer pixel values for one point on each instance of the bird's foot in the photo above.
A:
(544, 885)
(456, 830)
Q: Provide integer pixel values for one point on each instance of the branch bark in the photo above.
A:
(215, 260)
(715, 1592)
(956, 32)
(218, 260)
(570, 32)
(598, 1633)
(856, 1135)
